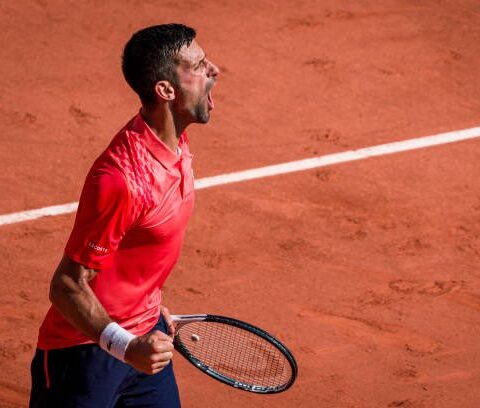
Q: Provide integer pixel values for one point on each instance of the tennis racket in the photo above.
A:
(235, 353)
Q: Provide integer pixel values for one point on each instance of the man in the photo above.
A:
(107, 341)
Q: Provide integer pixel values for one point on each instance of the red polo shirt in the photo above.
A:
(130, 224)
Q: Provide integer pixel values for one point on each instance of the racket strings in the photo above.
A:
(236, 353)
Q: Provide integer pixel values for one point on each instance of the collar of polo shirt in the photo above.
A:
(159, 149)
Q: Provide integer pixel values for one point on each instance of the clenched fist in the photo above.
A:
(149, 353)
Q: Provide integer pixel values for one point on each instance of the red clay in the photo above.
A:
(367, 270)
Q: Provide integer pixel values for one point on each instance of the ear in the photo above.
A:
(165, 91)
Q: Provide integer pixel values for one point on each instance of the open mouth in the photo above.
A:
(210, 101)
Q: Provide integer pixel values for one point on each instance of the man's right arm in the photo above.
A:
(73, 297)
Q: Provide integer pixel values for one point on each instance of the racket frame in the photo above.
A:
(181, 320)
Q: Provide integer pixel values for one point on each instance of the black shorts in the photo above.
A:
(88, 377)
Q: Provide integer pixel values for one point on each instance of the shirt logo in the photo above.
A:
(97, 247)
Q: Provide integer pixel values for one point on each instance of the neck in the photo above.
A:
(161, 121)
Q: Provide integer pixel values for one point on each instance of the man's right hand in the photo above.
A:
(149, 353)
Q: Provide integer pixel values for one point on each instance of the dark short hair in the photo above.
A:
(150, 56)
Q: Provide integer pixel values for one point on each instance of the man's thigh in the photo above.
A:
(76, 377)
(151, 391)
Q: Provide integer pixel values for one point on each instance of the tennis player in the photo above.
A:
(107, 340)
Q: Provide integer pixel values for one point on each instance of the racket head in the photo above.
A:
(236, 353)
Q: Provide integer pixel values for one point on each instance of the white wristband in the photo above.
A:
(114, 340)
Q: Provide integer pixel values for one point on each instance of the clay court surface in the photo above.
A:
(367, 270)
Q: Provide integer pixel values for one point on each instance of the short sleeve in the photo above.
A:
(103, 217)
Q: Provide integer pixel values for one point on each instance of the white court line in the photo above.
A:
(274, 170)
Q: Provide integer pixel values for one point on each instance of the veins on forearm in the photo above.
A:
(74, 299)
